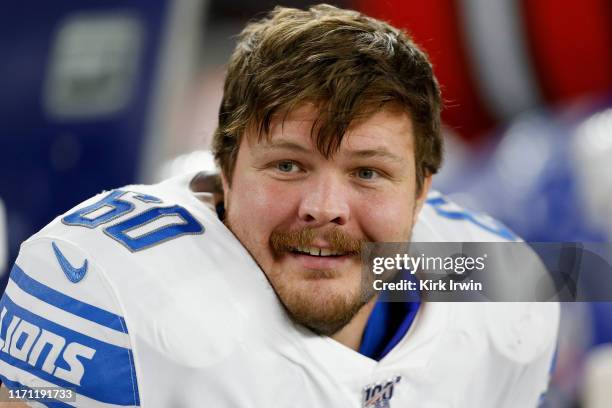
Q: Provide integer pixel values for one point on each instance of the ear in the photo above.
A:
(420, 201)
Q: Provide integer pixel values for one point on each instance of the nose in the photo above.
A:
(325, 200)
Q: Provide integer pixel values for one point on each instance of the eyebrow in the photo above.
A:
(377, 152)
(285, 144)
(380, 152)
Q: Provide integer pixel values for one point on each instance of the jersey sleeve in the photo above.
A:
(61, 325)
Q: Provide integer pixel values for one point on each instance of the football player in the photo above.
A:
(328, 137)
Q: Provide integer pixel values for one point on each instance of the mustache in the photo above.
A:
(339, 241)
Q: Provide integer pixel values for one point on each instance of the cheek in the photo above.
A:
(387, 217)
(256, 202)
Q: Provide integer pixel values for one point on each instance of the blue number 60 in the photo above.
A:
(117, 207)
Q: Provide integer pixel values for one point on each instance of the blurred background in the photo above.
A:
(98, 94)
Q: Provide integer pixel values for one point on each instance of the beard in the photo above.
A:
(321, 300)
(324, 301)
(320, 309)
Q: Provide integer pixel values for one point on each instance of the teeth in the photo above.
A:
(318, 251)
(314, 251)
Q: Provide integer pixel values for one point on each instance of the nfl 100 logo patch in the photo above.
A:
(379, 394)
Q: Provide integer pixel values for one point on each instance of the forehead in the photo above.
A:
(389, 127)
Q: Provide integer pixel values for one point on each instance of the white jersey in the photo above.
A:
(142, 297)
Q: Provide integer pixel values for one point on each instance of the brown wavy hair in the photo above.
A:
(348, 64)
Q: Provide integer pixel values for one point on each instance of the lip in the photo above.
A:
(320, 262)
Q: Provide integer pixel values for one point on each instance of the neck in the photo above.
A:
(351, 334)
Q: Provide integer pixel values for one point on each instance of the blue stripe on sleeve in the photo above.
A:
(108, 375)
(67, 303)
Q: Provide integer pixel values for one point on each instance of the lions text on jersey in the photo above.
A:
(142, 297)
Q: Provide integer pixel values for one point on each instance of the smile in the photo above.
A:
(314, 251)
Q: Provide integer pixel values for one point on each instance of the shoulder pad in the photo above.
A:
(444, 221)
(61, 326)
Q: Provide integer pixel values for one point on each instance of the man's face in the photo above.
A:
(303, 217)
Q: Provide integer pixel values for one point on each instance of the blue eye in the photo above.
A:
(366, 174)
(286, 166)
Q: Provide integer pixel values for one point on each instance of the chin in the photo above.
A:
(323, 305)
